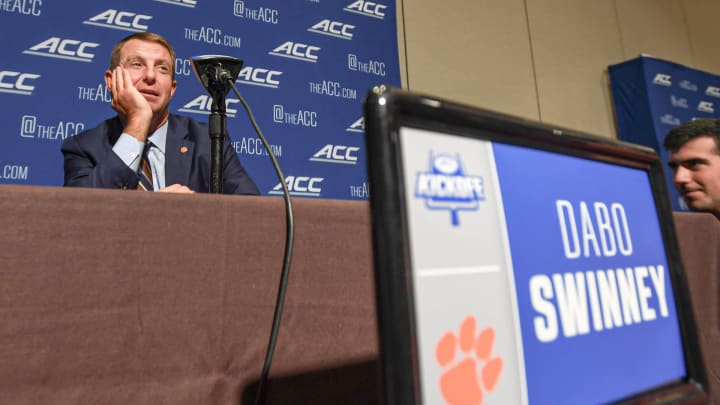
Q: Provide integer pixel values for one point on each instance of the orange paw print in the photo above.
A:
(460, 383)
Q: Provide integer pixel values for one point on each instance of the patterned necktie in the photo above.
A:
(145, 178)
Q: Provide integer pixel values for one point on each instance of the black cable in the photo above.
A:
(289, 241)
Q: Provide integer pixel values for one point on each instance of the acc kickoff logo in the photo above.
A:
(446, 187)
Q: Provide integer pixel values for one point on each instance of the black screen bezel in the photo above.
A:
(386, 111)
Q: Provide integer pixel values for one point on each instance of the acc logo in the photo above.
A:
(357, 126)
(183, 67)
(29, 128)
(460, 382)
(263, 14)
(372, 67)
(663, 80)
(333, 29)
(184, 3)
(712, 91)
(259, 77)
(367, 8)
(668, 119)
(706, 106)
(122, 20)
(296, 50)
(445, 187)
(300, 185)
(336, 154)
(70, 49)
(203, 105)
(679, 102)
(25, 7)
(17, 82)
(688, 85)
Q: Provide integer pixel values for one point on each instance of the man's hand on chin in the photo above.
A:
(130, 104)
(176, 188)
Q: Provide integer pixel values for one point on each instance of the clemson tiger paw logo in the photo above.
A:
(472, 373)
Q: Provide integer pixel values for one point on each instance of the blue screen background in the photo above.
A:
(601, 366)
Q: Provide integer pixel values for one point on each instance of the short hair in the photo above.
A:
(143, 36)
(680, 135)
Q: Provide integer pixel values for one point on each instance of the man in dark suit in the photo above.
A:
(141, 79)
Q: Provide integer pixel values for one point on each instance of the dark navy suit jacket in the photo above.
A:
(91, 162)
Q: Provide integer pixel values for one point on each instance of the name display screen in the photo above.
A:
(538, 277)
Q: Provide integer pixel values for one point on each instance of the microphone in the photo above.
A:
(217, 74)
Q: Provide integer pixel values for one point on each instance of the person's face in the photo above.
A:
(151, 71)
(696, 174)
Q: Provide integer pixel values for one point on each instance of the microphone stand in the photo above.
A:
(217, 73)
(217, 131)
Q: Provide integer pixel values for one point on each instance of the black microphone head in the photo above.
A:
(214, 72)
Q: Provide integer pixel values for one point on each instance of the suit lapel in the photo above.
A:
(179, 150)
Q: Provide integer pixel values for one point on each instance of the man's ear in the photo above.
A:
(172, 90)
(108, 79)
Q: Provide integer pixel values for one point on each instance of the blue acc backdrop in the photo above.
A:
(308, 65)
(652, 96)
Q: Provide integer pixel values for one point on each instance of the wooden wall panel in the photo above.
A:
(703, 25)
(475, 52)
(573, 43)
(547, 59)
(656, 28)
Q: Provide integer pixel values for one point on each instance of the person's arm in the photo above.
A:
(132, 107)
(90, 161)
(95, 165)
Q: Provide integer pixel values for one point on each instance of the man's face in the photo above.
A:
(696, 174)
(151, 71)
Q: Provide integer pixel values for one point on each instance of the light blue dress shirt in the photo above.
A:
(130, 151)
